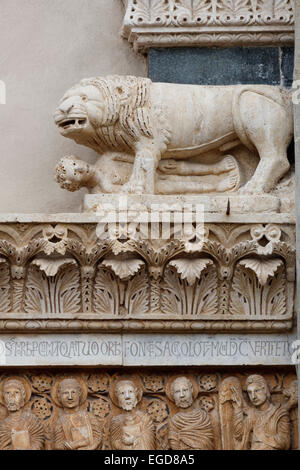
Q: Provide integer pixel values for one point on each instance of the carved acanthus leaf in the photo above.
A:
(5, 299)
(106, 297)
(51, 266)
(123, 268)
(249, 297)
(59, 293)
(190, 269)
(262, 268)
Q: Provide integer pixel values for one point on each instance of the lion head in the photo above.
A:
(106, 113)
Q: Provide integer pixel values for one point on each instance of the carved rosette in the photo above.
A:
(61, 276)
(163, 23)
(214, 393)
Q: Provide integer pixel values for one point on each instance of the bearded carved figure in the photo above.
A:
(190, 428)
(133, 429)
(166, 132)
(21, 430)
(263, 425)
(75, 429)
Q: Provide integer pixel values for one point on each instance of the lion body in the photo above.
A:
(161, 120)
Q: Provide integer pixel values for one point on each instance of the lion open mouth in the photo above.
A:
(76, 122)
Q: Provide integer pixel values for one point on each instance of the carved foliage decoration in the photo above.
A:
(52, 286)
(180, 13)
(5, 295)
(194, 291)
(259, 288)
(176, 21)
(231, 273)
(116, 296)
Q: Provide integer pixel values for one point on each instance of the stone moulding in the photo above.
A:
(167, 23)
(61, 276)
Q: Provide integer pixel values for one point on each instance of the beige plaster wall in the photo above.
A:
(45, 47)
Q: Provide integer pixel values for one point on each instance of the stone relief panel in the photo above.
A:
(190, 409)
(224, 276)
(207, 22)
(163, 138)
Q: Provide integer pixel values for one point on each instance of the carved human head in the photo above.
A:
(182, 392)
(69, 173)
(14, 394)
(69, 393)
(257, 389)
(127, 394)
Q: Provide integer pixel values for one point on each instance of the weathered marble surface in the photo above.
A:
(162, 138)
(145, 349)
(224, 205)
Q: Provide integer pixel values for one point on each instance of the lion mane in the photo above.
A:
(128, 114)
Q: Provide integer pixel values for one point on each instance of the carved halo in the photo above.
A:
(54, 390)
(25, 382)
(132, 378)
(187, 376)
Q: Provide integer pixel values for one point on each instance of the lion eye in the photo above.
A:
(84, 98)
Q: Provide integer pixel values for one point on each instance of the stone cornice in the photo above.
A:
(175, 23)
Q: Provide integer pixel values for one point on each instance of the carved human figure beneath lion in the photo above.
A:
(159, 121)
(75, 429)
(21, 430)
(133, 429)
(173, 177)
(262, 426)
(190, 428)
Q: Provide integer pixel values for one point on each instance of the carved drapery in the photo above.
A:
(98, 402)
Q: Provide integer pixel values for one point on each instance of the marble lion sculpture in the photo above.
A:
(154, 121)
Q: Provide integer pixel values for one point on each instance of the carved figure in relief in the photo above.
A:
(262, 426)
(190, 428)
(21, 430)
(134, 429)
(73, 174)
(154, 121)
(229, 387)
(75, 429)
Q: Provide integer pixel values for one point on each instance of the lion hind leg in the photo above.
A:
(267, 174)
(269, 127)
